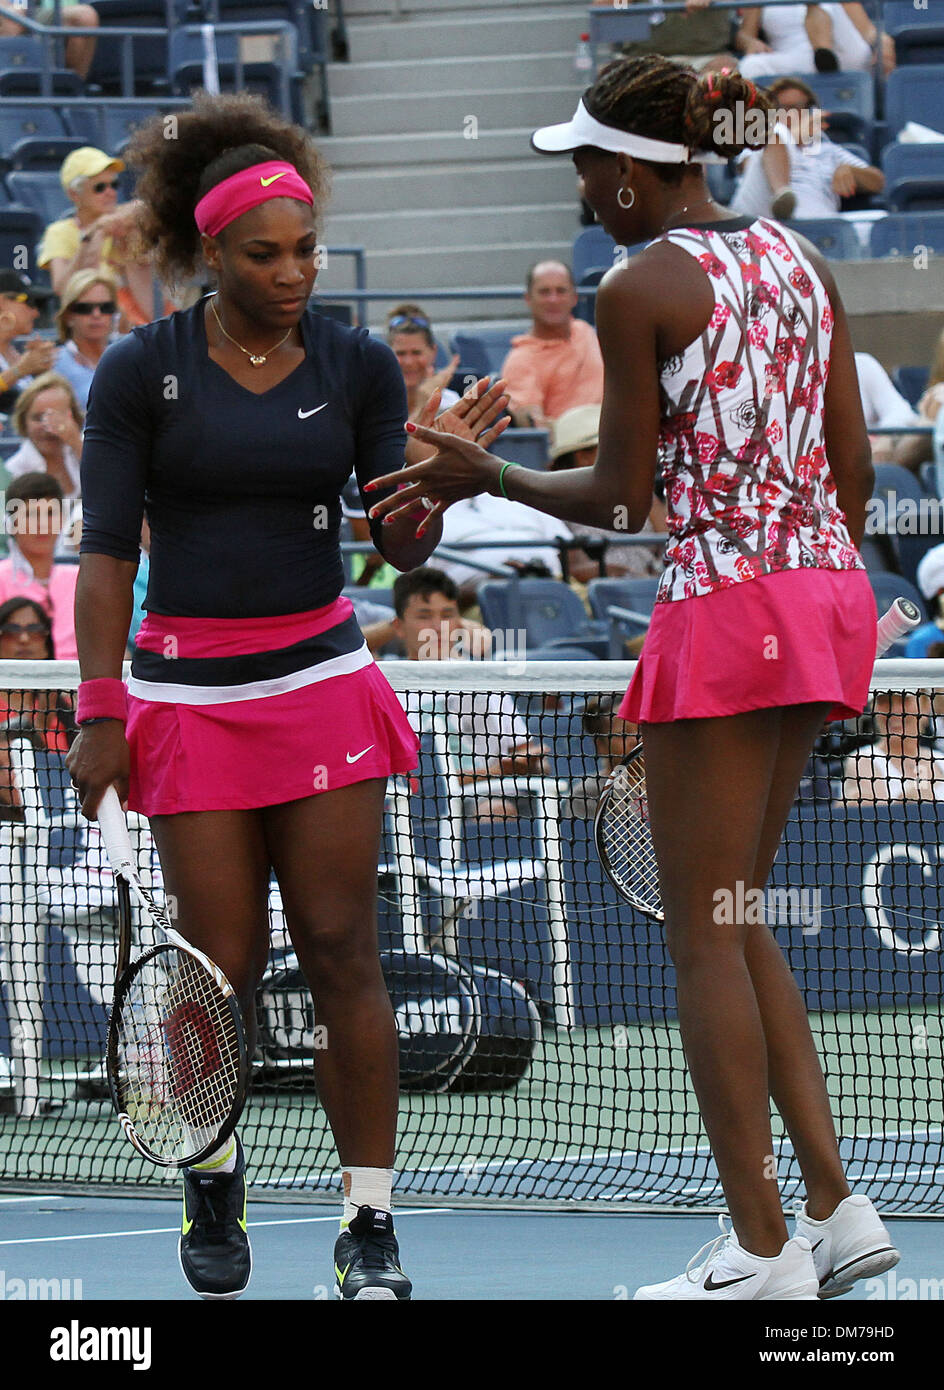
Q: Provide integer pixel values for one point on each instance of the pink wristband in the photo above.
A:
(105, 698)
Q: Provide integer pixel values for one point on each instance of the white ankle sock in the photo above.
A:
(222, 1160)
(366, 1187)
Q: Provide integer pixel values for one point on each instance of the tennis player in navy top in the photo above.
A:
(256, 732)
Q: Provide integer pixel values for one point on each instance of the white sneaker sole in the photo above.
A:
(866, 1266)
(378, 1295)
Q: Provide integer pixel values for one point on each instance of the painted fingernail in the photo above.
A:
(370, 487)
(410, 427)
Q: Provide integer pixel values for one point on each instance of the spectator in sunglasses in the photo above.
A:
(49, 419)
(20, 302)
(410, 334)
(86, 320)
(101, 235)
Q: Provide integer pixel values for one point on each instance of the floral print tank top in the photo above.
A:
(741, 442)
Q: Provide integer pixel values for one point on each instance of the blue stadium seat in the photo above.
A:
(834, 236)
(912, 382)
(849, 97)
(888, 587)
(42, 152)
(918, 34)
(21, 51)
(630, 595)
(20, 227)
(262, 77)
(908, 534)
(28, 123)
(914, 176)
(484, 350)
(549, 612)
(27, 82)
(528, 447)
(593, 250)
(915, 94)
(150, 55)
(39, 189)
(901, 232)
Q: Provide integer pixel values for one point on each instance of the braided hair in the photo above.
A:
(664, 100)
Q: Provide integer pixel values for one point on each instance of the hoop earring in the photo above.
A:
(632, 199)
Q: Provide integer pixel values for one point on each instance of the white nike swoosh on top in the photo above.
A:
(304, 414)
(357, 756)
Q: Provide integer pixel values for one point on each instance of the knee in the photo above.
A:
(338, 951)
(81, 17)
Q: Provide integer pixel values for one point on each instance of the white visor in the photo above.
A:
(583, 129)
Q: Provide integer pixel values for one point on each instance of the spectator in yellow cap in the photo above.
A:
(101, 234)
(576, 436)
(74, 15)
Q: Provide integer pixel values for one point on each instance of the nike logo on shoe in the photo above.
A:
(272, 178)
(356, 757)
(710, 1284)
(306, 414)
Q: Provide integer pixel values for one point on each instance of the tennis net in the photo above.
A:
(539, 1048)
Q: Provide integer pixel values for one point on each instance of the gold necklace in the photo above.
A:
(254, 358)
(705, 202)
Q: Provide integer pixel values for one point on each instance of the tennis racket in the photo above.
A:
(176, 1057)
(621, 825)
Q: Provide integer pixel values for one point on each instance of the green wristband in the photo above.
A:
(501, 479)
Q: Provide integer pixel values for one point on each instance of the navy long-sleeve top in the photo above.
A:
(241, 490)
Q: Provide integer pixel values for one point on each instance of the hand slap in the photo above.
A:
(460, 468)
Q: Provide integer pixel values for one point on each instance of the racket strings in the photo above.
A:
(626, 837)
(178, 1055)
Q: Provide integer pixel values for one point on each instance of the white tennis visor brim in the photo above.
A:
(585, 130)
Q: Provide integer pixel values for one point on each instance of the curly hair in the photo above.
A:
(181, 156)
(664, 100)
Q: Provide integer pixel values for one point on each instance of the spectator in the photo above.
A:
(558, 364)
(35, 516)
(918, 449)
(613, 738)
(86, 320)
(19, 310)
(48, 418)
(488, 519)
(884, 407)
(804, 38)
(801, 173)
(575, 444)
(26, 635)
(486, 735)
(410, 335)
(100, 235)
(930, 578)
(899, 765)
(701, 37)
(79, 51)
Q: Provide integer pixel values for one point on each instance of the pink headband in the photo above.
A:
(247, 189)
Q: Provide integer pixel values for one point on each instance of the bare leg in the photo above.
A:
(215, 864)
(709, 782)
(819, 27)
(796, 1077)
(324, 850)
(80, 52)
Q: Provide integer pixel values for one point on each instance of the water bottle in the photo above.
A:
(583, 59)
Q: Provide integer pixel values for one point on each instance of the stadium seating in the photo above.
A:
(527, 447)
(834, 236)
(625, 605)
(901, 233)
(485, 350)
(918, 34)
(888, 587)
(912, 382)
(914, 176)
(20, 227)
(848, 97)
(149, 54)
(42, 152)
(593, 251)
(39, 189)
(909, 534)
(550, 614)
(915, 94)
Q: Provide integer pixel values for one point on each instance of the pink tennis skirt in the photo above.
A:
(804, 636)
(242, 754)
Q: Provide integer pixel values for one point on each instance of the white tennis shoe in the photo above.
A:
(723, 1271)
(849, 1245)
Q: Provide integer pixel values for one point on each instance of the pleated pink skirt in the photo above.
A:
(795, 637)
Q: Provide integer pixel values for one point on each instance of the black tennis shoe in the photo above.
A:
(367, 1260)
(214, 1248)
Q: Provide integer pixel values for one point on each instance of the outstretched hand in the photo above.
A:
(461, 467)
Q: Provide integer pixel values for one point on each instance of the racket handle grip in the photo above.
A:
(114, 828)
(901, 618)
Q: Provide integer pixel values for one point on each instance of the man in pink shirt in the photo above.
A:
(558, 365)
(35, 516)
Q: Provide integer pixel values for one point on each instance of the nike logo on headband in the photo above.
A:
(272, 178)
